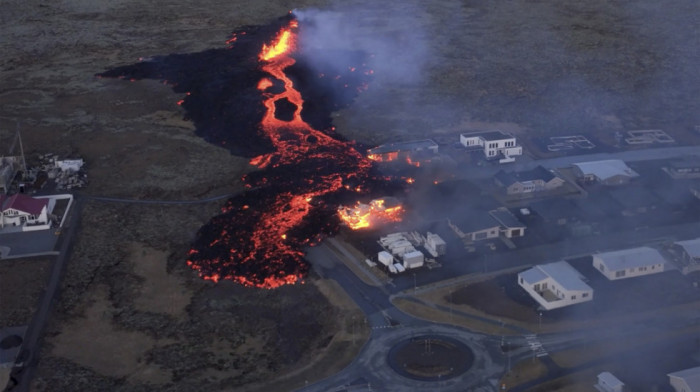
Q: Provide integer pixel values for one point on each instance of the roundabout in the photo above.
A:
(430, 358)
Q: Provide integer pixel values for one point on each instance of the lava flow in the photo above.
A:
(276, 110)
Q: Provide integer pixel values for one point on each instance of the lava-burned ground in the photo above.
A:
(259, 98)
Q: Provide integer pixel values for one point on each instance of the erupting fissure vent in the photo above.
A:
(292, 198)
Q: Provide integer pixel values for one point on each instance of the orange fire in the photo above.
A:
(368, 215)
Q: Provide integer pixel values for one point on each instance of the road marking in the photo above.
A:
(535, 345)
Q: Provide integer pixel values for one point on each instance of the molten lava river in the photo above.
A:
(256, 98)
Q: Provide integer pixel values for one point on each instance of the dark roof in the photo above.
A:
(555, 209)
(23, 203)
(634, 197)
(489, 135)
(506, 179)
(470, 221)
(538, 173)
(687, 162)
(506, 218)
(414, 145)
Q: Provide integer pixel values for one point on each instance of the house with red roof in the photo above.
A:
(20, 210)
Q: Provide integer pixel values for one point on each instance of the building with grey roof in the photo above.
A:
(629, 263)
(687, 380)
(606, 172)
(555, 285)
(689, 255)
(479, 225)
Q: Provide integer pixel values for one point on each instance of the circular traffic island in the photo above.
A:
(430, 358)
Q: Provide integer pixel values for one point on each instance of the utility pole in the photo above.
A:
(21, 150)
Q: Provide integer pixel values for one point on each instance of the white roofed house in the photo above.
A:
(495, 144)
(607, 172)
(555, 285)
(607, 382)
(687, 380)
(629, 263)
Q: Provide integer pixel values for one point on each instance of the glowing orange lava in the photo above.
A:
(273, 239)
(378, 211)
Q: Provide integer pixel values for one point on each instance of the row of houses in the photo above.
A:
(558, 284)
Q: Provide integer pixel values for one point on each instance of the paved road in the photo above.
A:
(389, 326)
(21, 377)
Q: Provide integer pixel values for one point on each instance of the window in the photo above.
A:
(601, 267)
(584, 295)
(521, 280)
(544, 285)
(619, 274)
(573, 297)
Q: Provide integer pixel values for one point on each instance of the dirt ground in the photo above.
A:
(532, 67)
(21, 283)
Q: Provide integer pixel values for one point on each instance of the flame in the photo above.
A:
(368, 215)
(281, 45)
(264, 84)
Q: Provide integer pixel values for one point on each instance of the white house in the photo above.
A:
(629, 263)
(687, 380)
(555, 285)
(689, 252)
(607, 172)
(607, 382)
(20, 209)
(494, 143)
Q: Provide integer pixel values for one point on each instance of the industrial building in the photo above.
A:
(606, 172)
(555, 285)
(435, 245)
(495, 144)
(400, 251)
(536, 180)
(629, 263)
(687, 380)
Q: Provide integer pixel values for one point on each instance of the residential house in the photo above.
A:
(555, 285)
(629, 263)
(495, 144)
(20, 209)
(475, 226)
(687, 380)
(480, 225)
(689, 252)
(606, 172)
(686, 167)
(532, 181)
(607, 382)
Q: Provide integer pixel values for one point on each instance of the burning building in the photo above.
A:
(412, 152)
(378, 211)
